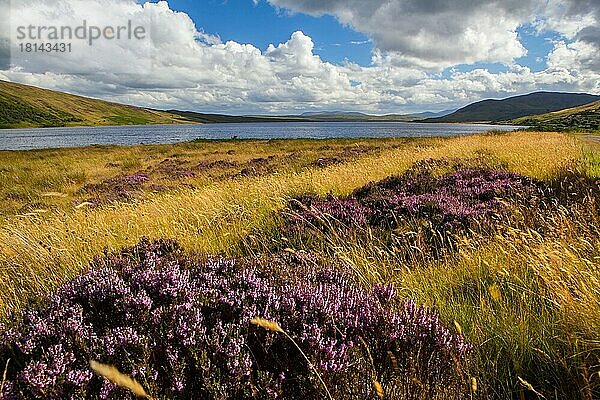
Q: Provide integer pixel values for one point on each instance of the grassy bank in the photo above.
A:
(529, 303)
(24, 106)
(584, 118)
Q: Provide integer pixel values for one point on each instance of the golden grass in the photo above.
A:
(529, 304)
(267, 324)
(125, 381)
(53, 179)
(592, 155)
(39, 252)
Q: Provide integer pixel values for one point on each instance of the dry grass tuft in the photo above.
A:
(112, 374)
(378, 389)
(269, 325)
(4, 378)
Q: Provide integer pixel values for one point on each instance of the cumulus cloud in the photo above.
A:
(194, 70)
(576, 54)
(436, 34)
(570, 17)
(432, 33)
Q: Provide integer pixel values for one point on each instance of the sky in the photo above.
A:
(293, 56)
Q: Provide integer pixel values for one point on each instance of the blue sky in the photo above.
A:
(288, 56)
(262, 24)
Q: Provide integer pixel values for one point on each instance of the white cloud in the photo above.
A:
(194, 70)
(575, 57)
(432, 33)
(569, 17)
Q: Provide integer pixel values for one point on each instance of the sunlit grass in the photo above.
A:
(530, 305)
(53, 179)
(592, 157)
(40, 252)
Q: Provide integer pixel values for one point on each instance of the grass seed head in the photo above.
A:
(125, 381)
(270, 325)
(378, 389)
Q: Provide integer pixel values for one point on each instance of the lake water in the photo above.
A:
(26, 139)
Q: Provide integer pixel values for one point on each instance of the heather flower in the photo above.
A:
(328, 212)
(436, 200)
(182, 327)
(119, 188)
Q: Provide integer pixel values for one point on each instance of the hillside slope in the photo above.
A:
(24, 106)
(516, 107)
(582, 118)
(28, 106)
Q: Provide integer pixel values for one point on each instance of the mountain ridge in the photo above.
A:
(498, 110)
(25, 106)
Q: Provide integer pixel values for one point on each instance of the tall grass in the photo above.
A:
(592, 158)
(37, 253)
(529, 303)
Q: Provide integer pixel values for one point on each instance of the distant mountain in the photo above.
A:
(359, 116)
(331, 113)
(353, 117)
(516, 107)
(23, 106)
(203, 118)
(430, 114)
(337, 116)
(582, 118)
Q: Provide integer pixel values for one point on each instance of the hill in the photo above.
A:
(355, 117)
(516, 107)
(582, 118)
(203, 118)
(327, 113)
(24, 106)
(430, 114)
(362, 117)
(325, 116)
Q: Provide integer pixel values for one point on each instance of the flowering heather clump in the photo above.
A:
(181, 327)
(450, 202)
(126, 187)
(315, 211)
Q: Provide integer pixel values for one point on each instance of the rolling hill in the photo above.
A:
(582, 118)
(330, 116)
(516, 107)
(24, 106)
